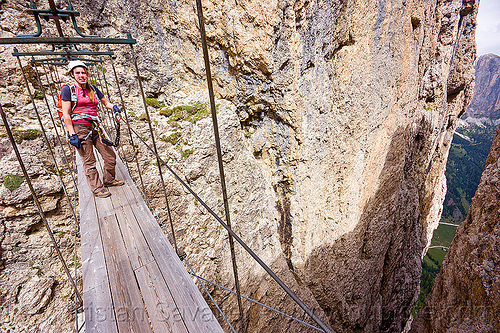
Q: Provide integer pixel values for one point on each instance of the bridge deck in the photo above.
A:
(133, 281)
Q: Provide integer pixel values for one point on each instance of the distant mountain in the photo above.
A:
(486, 99)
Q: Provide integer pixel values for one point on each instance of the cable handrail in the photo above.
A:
(193, 273)
(258, 303)
(236, 237)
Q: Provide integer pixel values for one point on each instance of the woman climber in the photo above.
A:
(79, 108)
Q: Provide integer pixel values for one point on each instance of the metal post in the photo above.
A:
(56, 88)
(54, 93)
(104, 78)
(53, 9)
(154, 146)
(219, 151)
(104, 110)
(37, 203)
(128, 123)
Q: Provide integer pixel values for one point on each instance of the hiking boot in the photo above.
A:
(115, 183)
(102, 194)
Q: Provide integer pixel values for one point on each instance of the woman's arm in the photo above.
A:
(107, 103)
(66, 109)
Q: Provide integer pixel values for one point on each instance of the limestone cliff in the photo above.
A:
(466, 293)
(336, 119)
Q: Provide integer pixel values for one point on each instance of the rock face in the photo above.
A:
(466, 293)
(486, 99)
(336, 119)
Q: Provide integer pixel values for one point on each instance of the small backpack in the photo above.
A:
(74, 99)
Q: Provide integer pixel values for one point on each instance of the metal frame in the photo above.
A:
(59, 14)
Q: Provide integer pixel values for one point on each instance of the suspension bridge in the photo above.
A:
(123, 243)
(134, 276)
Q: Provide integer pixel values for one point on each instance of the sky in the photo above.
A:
(488, 27)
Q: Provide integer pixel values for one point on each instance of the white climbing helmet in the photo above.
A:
(75, 63)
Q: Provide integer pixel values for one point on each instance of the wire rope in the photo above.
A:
(154, 144)
(238, 239)
(49, 230)
(259, 303)
(184, 258)
(75, 188)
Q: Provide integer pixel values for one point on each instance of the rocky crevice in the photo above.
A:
(465, 295)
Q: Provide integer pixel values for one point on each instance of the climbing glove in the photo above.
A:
(115, 109)
(75, 141)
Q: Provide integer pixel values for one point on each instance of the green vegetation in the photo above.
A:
(463, 173)
(15, 249)
(463, 170)
(432, 262)
(38, 94)
(172, 138)
(185, 153)
(191, 113)
(103, 69)
(429, 273)
(21, 135)
(12, 181)
(143, 117)
(154, 103)
(32, 265)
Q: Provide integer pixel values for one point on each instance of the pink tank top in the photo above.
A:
(84, 105)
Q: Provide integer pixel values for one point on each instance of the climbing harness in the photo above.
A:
(96, 128)
(94, 120)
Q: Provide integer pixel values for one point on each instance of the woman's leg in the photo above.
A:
(109, 157)
(88, 159)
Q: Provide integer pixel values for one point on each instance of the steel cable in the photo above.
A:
(239, 240)
(154, 144)
(76, 226)
(49, 230)
(151, 207)
(259, 303)
(201, 23)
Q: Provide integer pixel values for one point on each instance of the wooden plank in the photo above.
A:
(159, 303)
(98, 306)
(193, 309)
(190, 307)
(165, 315)
(130, 312)
(137, 248)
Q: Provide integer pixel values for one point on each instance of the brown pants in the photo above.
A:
(89, 161)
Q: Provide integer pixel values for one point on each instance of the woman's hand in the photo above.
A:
(75, 141)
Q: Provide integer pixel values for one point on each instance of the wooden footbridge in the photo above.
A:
(133, 280)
